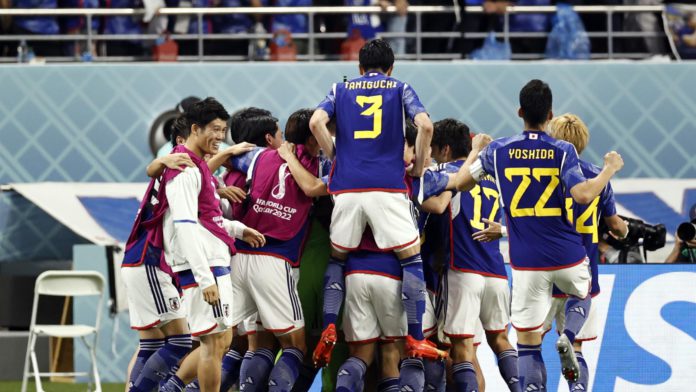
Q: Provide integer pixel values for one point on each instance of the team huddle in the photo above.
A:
(411, 276)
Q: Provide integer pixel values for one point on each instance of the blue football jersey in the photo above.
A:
(370, 114)
(533, 173)
(586, 220)
(374, 263)
(467, 211)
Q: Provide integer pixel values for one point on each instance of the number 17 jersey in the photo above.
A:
(370, 113)
(533, 172)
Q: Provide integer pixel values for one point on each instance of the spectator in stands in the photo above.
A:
(646, 22)
(123, 25)
(370, 25)
(78, 25)
(293, 23)
(36, 25)
(234, 24)
(189, 25)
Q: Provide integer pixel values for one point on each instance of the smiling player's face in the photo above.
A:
(211, 136)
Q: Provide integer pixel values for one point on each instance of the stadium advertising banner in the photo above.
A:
(647, 333)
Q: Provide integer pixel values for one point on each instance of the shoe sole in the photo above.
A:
(569, 363)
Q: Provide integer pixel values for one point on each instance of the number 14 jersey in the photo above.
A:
(533, 172)
(370, 114)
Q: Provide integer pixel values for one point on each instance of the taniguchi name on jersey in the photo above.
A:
(364, 84)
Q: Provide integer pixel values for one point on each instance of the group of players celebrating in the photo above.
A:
(414, 256)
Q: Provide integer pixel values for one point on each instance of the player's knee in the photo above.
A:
(294, 339)
(498, 341)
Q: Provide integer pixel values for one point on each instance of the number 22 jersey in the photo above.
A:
(533, 171)
(370, 114)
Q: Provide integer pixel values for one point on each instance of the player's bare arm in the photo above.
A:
(492, 232)
(437, 204)
(318, 125)
(585, 192)
(425, 136)
(232, 193)
(177, 161)
(221, 157)
(465, 180)
(617, 226)
(310, 185)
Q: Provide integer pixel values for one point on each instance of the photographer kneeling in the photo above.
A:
(684, 250)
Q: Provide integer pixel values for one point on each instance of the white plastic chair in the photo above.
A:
(64, 283)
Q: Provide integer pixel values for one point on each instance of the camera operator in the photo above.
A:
(684, 250)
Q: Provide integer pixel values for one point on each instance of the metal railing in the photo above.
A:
(312, 36)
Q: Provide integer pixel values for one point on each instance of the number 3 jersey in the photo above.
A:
(533, 172)
(370, 114)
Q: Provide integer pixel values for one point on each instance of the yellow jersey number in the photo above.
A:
(374, 110)
(539, 208)
(587, 221)
(475, 192)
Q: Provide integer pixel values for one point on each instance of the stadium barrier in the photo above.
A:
(313, 35)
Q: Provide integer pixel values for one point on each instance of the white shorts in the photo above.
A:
(248, 326)
(266, 285)
(374, 310)
(204, 318)
(474, 299)
(390, 215)
(532, 290)
(153, 300)
(557, 312)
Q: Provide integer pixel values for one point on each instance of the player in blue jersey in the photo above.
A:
(367, 179)
(533, 173)
(476, 281)
(571, 128)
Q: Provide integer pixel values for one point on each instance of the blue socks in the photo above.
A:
(230, 369)
(334, 290)
(411, 377)
(257, 371)
(159, 363)
(244, 367)
(583, 380)
(388, 385)
(464, 375)
(507, 365)
(286, 370)
(147, 348)
(531, 367)
(576, 313)
(174, 384)
(413, 294)
(350, 375)
(434, 376)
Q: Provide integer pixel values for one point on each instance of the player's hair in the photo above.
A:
(571, 128)
(255, 129)
(204, 112)
(297, 128)
(238, 122)
(453, 133)
(536, 100)
(376, 54)
(411, 134)
(180, 128)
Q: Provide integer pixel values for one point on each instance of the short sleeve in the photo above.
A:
(434, 183)
(244, 161)
(571, 173)
(329, 103)
(607, 202)
(487, 159)
(412, 104)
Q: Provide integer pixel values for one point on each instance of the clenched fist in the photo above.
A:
(613, 161)
(481, 141)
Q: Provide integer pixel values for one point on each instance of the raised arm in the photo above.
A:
(586, 191)
(472, 170)
(223, 156)
(310, 185)
(425, 136)
(178, 161)
(318, 125)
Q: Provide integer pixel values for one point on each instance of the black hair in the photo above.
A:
(536, 101)
(255, 129)
(238, 120)
(376, 54)
(184, 105)
(297, 128)
(452, 133)
(411, 134)
(180, 128)
(204, 112)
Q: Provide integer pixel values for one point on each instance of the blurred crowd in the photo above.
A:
(358, 27)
